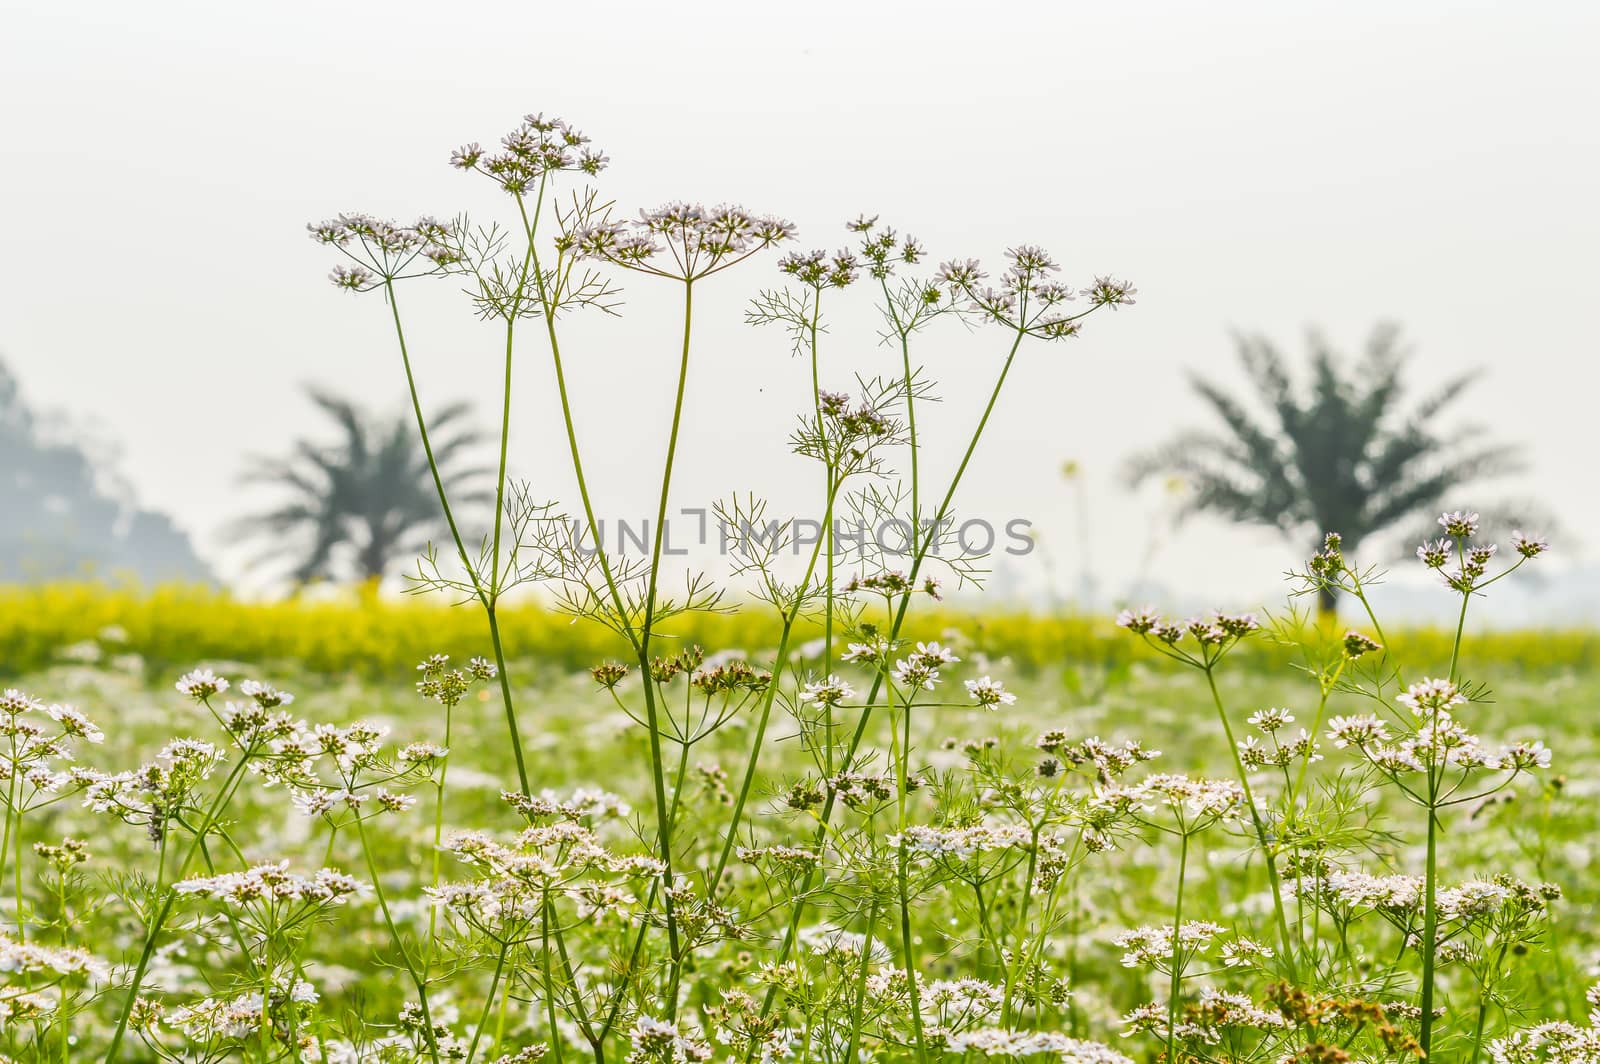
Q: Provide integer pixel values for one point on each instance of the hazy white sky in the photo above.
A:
(1248, 165)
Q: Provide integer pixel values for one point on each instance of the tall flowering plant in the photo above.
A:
(867, 845)
(563, 252)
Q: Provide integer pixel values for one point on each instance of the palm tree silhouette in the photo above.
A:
(1343, 453)
(357, 506)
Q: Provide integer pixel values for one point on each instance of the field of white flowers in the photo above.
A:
(877, 845)
(363, 863)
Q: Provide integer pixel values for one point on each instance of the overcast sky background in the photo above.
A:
(1258, 166)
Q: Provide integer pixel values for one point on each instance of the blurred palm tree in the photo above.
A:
(1342, 453)
(357, 506)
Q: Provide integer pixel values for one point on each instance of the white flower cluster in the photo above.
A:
(1154, 945)
(1108, 761)
(1210, 799)
(1028, 296)
(933, 843)
(1438, 739)
(517, 878)
(273, 883)
(585, 803)
(26, 958)
(1470, 571)
(1218, 1012)
(537, 147)
(237, 1018)
(201, 684)
(698, 240)
(155, 792)
(664, 1042)
(842, 946)
(34, 747)
(1213, 631)
(1278, 751)
(990, 693)
(997, 1042)
(1558, 1042)
(920, 669)
(1402, 896)
(829, 692)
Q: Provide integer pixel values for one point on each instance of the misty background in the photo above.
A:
(1252, 167)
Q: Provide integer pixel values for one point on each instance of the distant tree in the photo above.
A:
(67, 513)
(359, 505)
(1341, 453)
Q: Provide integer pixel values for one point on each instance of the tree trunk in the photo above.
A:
(1327, 604)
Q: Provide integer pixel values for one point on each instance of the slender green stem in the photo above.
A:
(1430, 918)
(486, 595)
(1286, 942)
(548, 312)
(11, 844)
(417, 979)
(829, 485)
(500, 477)
(597, 1042)
(427, 443)
(765, 713)
(1176, 987)
(488, 1002)
(1455, 646)
(624, 622)
(1483, 1005)
(657, 765)
(861, 982)
(1017, 953)
(1430, 900)
(901, 753)
(5, 839)
(505, 698)
(438, 836)
(802, 895)
(549, 979)
(224, 795)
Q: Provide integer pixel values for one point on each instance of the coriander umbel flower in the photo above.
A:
(530, 153)
(1359, 731)
(201, 684)
(1356, 644)
(1270, 720)
(820, 270)
(684, 241)
(882, 248)
(868, 653)
(381, 251)
(990, 693)
(1435, 553)
(1155, 945)
(1529, 546)
(33, 958)
(1051, 1045)
(1028, 297)
(1139, 621)
(829, 692)
(915, 673)
(273, 883)
(265, 695)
